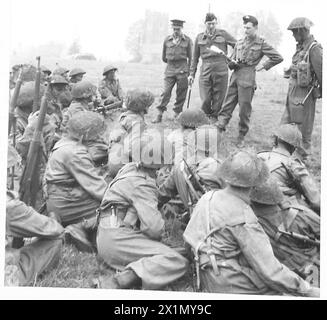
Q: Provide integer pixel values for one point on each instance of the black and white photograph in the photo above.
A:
(163, 148)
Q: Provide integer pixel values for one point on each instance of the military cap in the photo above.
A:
(12, 156)
(60, 71)
(137, 100)
(76, 71)
(267, 193)
(83, 89)
(300, 22)
(46, 70)
(57, 79)
(87, 125)
(177, 23)
(209, 17)
(251, 19)
(289, 133)
(192, 118)
(244, 169)
(108, 68)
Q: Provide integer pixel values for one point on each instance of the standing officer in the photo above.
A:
(214, 72)
(305, 84)
(177, 53)
(247, 54)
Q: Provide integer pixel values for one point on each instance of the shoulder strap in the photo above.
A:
(308, 50)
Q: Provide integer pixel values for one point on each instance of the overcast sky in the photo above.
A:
(102, 25)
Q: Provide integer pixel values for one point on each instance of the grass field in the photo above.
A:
(76, 268)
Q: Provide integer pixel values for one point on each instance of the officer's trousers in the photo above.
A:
(213, 82)
(295, 95)
(181, 91)
(241, 93)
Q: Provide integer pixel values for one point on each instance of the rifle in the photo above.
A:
(37, 86)
(104, 108)
(29, 182)
(301, 237)
(294, 180)
(199, 184)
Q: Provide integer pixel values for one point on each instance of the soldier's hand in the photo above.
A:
(190, 80)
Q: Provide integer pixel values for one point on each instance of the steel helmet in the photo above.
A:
(290, 134)
(76, 71)
(57, 79)
(108, 68)
(86, 124)
(60, 71)
(267, 193)
(300, 22)
(244, 169)
(192, 118)
(46, 70)
(83, 89)
(137, 100)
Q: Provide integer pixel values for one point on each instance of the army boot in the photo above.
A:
(126, 279)
(158, 119)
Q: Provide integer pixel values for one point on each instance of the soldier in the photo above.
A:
(109, 88)
(293, 177)
(277, 216)
(246, 56)
(305, 84)
(46, 74)
(59, 99)
(73, 186)
(61, 71)
(25, 264)
(76, 75)
(131, 126)
(182, 139)
(130, 228)
(214, 72)
(233, 252)
(177, 53)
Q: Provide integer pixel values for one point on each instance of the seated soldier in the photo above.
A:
(74, 187)
(131, 126)
(291, 173)
(192, 177)
(232, 251)
(130, 228)
(109, 87)
(83, 94)
(23, 265)
(76, 75)
(277, 216)
(182, 138)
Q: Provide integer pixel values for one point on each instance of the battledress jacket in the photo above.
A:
(74, 187)
(240, 247)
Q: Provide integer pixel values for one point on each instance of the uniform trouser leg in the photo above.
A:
(205, 86)
(219, 88)
(181, 92)
(229, 105)
(169, 83)
(308, 121)
(245, 95)
(38, 257)
(152, 261)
